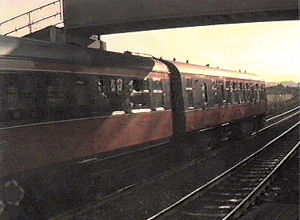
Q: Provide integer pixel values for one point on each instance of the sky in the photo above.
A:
(268, 49)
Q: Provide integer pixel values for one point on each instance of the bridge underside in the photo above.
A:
(115, 16)
(184, 22)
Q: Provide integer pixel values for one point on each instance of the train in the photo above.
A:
(63, 103)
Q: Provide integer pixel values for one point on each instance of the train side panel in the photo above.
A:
(210, 101)
(35, 146)
(219, 100)
(200, 119)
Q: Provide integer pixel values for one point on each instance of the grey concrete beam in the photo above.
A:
(114, 16)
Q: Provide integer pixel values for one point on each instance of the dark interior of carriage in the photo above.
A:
(37, 97)
(211, 92)
(29, 97)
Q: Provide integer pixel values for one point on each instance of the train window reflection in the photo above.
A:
(242, 92)
(157, 93)
(236, 98)
(228, 89)
(140, 95)
(204, 94)
(189, 91)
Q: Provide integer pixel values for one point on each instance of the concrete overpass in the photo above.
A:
(114, 16)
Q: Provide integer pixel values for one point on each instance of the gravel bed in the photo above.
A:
(283, 193)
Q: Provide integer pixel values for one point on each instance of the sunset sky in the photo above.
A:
(269, 49)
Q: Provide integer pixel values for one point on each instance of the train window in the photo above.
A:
(189, 91)
(256, 92)
(79, 102)
(189, 83)
(217, 93)
(204, 93)
(197, 94)
(103, 86)
(236, 98)
(214, 97)
(166, 94)
(228, 92)
(119, 85)
(140, 95)
(11, 97)
(252, 92)
(223, 93)
(53, 96)
(242, 92)
(263, 95)
(138, 85)
(123, 100)
(247, 92)
(113, 85)
(124, 95)
(157, 102)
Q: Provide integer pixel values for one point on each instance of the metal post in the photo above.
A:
(61, 10)
(30, 27)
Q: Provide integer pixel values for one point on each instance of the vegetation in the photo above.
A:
(281, 89)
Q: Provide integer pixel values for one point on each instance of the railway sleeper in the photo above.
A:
(213, 212)
(233, 194)
(269, 162)
(202, 215)
(242, 185)
(211, 208)
(219, 200)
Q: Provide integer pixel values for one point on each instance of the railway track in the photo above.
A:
(282, 114)
(228, 195)
(269, 122)
(123, 191)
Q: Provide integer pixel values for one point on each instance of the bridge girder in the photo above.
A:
(115, 16)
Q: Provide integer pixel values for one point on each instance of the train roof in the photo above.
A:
(33, 49)
(210, 71)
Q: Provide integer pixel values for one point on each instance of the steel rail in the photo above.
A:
(217, 179)
(282, 114)
(275, 123)
(239, 208)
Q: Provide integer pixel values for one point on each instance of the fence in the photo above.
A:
(34, 20)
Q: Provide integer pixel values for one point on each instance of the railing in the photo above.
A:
(34, 20)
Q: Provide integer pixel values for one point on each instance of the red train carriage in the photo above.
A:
(60, 103)
(214, 97)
